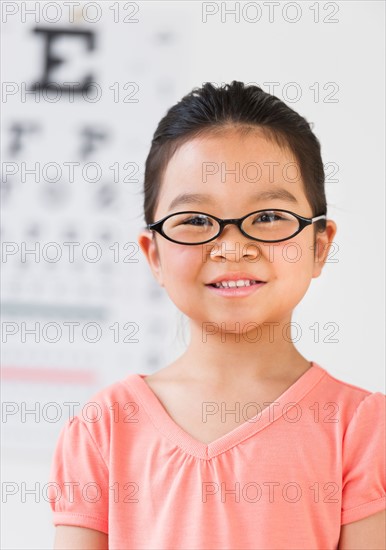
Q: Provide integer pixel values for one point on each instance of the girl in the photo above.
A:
(241, 443)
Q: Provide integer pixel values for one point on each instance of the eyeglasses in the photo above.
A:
(267, 226)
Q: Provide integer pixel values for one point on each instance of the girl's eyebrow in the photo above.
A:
(199, 198)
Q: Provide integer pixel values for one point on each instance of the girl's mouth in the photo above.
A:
(232, 284)
(244, 290)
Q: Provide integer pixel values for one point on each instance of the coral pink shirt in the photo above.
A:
(288, 477)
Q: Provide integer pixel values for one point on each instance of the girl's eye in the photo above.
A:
(268, 217)
(196, 220)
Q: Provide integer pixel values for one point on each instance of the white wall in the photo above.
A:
(172, 48)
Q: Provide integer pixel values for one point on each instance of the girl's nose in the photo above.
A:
(233, 245)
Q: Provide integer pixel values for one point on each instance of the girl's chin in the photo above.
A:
(245, 325)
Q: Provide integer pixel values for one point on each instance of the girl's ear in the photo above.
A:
(148, 244)
(322, 246)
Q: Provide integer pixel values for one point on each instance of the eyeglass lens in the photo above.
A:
(269, 225)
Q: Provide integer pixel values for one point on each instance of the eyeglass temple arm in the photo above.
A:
(318, 218)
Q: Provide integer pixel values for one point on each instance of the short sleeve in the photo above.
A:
(78, 486)
(364, 460)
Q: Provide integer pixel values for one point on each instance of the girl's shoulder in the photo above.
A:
(351, 400)
(106, 408)
(120, 390)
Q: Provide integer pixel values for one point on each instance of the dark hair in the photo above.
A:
(211, 108)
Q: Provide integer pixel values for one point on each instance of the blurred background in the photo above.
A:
(84, 85)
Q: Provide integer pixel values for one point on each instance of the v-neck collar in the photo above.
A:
(166, 425)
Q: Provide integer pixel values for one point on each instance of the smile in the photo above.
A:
(230, 288)
(232, 284)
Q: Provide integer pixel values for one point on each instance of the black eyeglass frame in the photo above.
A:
(303, 222)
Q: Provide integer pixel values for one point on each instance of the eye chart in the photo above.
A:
(83, 92)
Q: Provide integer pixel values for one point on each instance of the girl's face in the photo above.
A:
(230, 169)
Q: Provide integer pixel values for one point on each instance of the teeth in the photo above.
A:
(231, 284)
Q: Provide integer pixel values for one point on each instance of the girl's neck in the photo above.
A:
(237, 358)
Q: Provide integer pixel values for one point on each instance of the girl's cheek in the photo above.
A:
(291, 257)
(183, 262)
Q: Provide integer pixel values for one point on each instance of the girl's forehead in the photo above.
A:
(229, 146)
(252, 158)
(230, 165)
